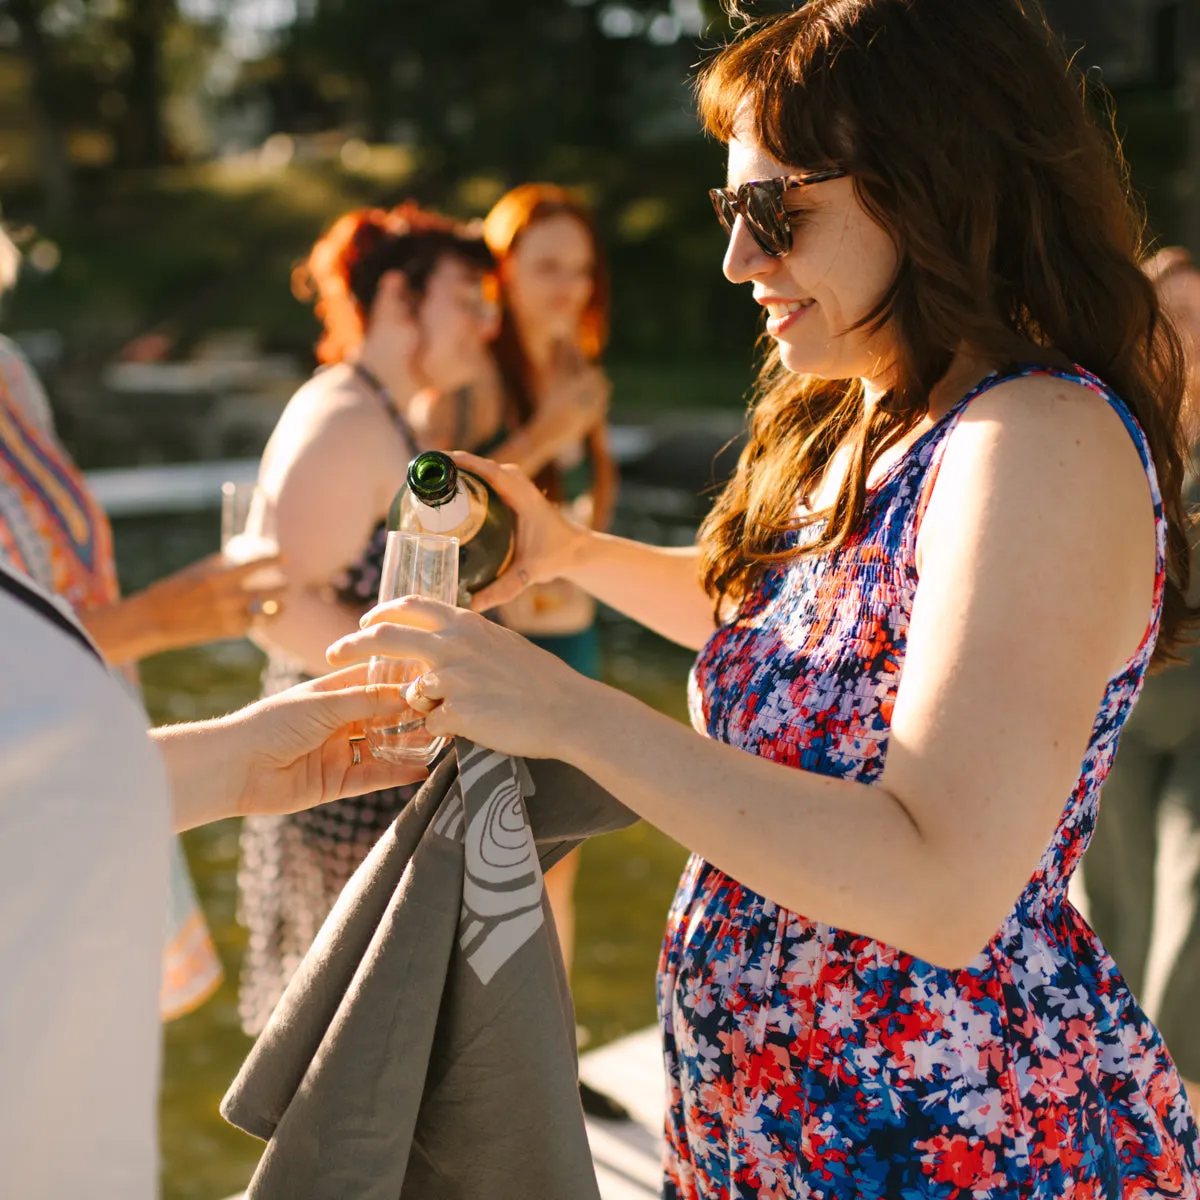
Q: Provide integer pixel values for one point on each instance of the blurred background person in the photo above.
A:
(400, 295)
(53, 530)
(1149, 821)
(554, 293)
(543, 405)
(541, 401)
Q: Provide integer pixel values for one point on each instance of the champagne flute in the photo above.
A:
(248, 531)
(414, 564)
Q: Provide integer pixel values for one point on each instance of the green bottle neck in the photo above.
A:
(433, 478)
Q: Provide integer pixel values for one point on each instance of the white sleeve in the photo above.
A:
(83, 886)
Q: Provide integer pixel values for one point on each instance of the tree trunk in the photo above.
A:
(1190, 27)
(54, 163)
(144, 137)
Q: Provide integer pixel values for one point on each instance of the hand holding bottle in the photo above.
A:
(440, 499)
(547, 542)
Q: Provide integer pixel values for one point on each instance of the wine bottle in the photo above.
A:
(439, 497)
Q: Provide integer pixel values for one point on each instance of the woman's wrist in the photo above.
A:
(147, 619)
(594, 718)
(516, 449)
(536, 443)
(581, 554)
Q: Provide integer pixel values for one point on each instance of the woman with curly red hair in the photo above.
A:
(399, 294)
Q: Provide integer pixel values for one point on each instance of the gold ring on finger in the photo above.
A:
(427, 702)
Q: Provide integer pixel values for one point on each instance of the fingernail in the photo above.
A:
(362, 621)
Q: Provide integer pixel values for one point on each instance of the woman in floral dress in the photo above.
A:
(924, 605)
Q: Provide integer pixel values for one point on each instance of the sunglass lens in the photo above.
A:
(724, 209)
(762, 215)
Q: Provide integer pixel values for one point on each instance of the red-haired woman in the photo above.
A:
(541, 403)
(554, 293)
(399, 294)
(925, 605)
(554, 296)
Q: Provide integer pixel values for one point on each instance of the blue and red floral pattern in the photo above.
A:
(808, 1062)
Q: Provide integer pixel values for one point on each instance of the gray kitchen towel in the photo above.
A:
(425, 1048)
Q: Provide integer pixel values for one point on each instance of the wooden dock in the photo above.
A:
(628, 1154)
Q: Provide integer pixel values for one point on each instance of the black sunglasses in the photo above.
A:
(760, 204)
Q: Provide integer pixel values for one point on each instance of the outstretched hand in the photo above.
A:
(296, 748)
(212, 599)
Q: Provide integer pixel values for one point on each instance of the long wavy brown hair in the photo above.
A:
(511, 216)
(974, 143)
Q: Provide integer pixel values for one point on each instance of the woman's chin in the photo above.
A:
(802, 361)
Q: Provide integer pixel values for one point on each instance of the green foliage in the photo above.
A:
(450, 103)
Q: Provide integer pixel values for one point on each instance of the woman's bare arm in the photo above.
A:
(1037, 565)
(656, 586)
(323, 473)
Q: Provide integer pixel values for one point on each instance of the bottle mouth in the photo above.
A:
(433, 477)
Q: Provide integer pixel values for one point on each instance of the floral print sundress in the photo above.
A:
(805, 1061)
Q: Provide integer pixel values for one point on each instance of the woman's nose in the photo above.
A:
(745, 259)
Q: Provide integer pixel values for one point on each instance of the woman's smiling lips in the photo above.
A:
(782, 314)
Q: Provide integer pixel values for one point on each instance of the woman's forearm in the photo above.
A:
(656, 586)
(198, 769)
(126, 631)
(531, 448)
(539, 441)
(836, 851)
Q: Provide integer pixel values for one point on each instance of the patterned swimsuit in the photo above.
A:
(807, 1061)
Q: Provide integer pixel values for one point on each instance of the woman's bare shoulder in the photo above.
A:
(1045, 426)
(1048, 467)
(331, 417)
(332, 396)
